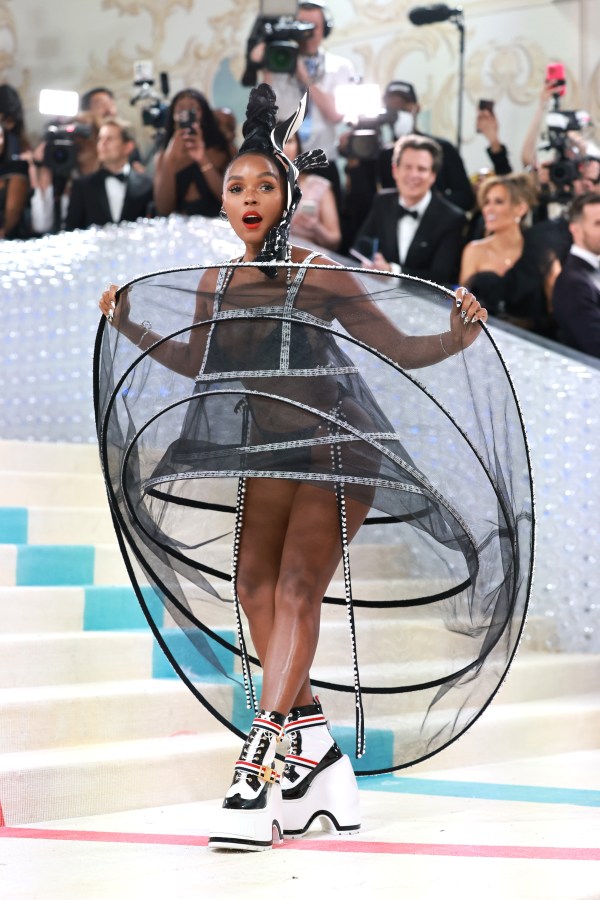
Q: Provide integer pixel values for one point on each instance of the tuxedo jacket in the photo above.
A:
(576, 302)
(88, 204)
(436, 248)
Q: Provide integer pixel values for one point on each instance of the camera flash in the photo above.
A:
(355, 100)
(59, 103)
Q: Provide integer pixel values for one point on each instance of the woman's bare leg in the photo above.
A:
(267, 506)
(311, 553)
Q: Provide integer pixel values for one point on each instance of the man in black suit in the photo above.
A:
(115, 192)
(452, 181)
(576, 296)
(413, 229)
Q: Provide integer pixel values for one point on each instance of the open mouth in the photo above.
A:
(251, 219)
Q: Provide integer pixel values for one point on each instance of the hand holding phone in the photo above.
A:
(486, 123)
(365, 249)
(555, 76)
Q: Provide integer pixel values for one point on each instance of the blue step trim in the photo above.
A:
(50, 565)
(193, 661)
(479, 790)
(379, 744)
(14, 524)
(241, 716)
(116, 608)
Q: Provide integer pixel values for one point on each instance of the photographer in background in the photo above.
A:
(555, 148)
(55, 163)
(189, 171)
(99, 104)
(366, 176)
(115, 192)
(321, 73)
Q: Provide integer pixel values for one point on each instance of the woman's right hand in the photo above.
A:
(117, 313)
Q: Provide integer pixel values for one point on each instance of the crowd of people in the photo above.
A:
(409, 206)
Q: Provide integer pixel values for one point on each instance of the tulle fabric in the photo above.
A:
(422, 620)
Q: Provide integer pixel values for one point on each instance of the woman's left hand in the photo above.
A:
(465, 316)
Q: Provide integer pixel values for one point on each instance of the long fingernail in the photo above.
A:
(458, 302)
(463, 313)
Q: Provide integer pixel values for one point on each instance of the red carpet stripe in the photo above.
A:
(325, 844)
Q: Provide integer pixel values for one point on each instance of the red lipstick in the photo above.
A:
(251, 219)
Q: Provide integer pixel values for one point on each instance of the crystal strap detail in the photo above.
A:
(336, 461)
(246, 671)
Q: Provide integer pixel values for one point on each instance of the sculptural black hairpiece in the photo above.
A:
(262, 134)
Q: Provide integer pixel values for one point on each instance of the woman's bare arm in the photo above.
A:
(363, 318)
(183, 357)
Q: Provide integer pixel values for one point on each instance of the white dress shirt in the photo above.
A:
(115, 191)
(586, 255)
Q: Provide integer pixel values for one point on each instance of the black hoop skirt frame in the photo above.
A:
(423, 619)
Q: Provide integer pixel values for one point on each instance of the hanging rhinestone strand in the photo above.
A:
(246, 671)
(336, 460)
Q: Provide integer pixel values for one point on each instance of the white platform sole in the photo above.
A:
(332, 798)
(248, 829)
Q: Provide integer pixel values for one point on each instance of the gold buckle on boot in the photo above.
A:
(269, 774)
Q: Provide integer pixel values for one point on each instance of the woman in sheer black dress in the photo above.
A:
(292, 531)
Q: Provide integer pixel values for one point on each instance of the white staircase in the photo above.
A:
(87, 727)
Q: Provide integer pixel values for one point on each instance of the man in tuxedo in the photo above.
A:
(576, 296)
(413, 229)
(115, 192)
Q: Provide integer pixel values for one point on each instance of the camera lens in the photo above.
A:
(364, 143)
(281, 56)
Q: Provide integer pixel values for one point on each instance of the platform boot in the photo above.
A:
(318, 781)
(252, 811)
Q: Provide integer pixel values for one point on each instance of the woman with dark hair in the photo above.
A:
(280, 410)
(189, 170)
(14, 191)
(12, 120)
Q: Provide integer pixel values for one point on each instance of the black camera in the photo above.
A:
(155, 110)
(282, 36)
(60, 150)
(365, 140)
(564, 170)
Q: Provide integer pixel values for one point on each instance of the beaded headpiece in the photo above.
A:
(262, 134)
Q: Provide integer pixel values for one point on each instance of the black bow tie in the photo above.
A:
(403, 211)
(120, 176)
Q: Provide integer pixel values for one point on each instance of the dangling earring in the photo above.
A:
(223, 215)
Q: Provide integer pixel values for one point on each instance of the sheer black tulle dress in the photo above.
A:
(285, 378)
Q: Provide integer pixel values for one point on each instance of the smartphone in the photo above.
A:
(365, 249)
(309, 207)
(186, 119)
(555, 74)
(486, 104)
